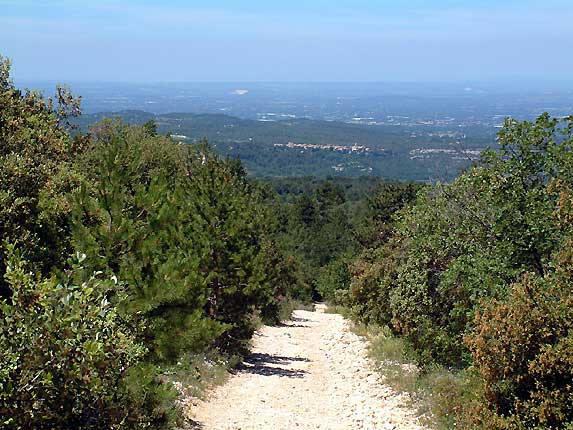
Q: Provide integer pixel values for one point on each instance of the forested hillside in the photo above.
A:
(303, 147)
(131, 261)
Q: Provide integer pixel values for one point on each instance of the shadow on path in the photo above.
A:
(195, 425)
(289, 324)
(297, 319)
(262, 364)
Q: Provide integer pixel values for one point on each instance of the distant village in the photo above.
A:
(339, 148)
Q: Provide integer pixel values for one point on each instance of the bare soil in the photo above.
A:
(309, 373)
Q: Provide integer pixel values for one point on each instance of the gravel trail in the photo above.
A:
(310, 373)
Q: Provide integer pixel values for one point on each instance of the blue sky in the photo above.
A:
(313, 40)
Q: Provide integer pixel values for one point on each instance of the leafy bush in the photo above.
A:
(35, 174)
(374, 276)
(523, 348)
(70, 361)
(450, 260)
(471, 239)
(334, 280)
(374, 273)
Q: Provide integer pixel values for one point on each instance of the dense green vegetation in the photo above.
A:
(125, 254)
(392, 151)
(127, 257)
(475, 276)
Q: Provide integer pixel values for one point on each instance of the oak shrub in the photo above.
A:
(476, 275)
(70, 360)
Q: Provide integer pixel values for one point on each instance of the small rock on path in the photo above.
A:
(310, 373)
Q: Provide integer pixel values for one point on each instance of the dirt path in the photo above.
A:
(311, 373)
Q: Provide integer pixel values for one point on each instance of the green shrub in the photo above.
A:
(288, 287)
(470, 240)
(35, 174)
(449, 260)
(523, 348)
(334, 280)
(374, 276)
(243, 270)
(131, 219)
(374, 272)
(70, 361)
(187, 232)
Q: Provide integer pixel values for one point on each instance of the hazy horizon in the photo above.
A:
(439, 87)
(461, 82)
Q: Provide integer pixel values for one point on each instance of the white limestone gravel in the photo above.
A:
(310, 373)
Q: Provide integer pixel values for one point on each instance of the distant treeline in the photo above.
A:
(260, 145)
